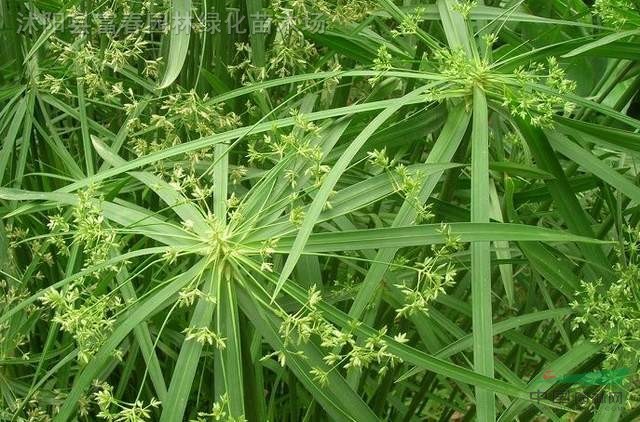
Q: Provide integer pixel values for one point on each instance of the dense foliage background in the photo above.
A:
(296, 210)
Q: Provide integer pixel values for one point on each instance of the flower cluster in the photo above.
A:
(40, 248)
(188, 295)
(87, 317)
(291, 51)
(433, 275)
(610, 313)
(10, 340)
(195, 114)
(533, 104)
(204, 335)
(618, 13)
(87, 228)
(80, 309)
(344, 349)
(406, 183)
(535, 92)
(381, 64)
(409, 184)
(464, 7)
(219, 412)
(345, 11)
(461, 70)
(91, 64)
(91, 229)
(114, 410)
(39, 407)
(410, 24)
(300, 144)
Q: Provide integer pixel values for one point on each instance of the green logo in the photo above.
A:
(612, 377)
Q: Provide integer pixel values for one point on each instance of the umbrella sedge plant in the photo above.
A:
(352, 210)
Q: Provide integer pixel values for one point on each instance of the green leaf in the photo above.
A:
(230, 359)
(331, 179)
(498, 328)
(132, 218)
(572, 359)
(482, 314)
(442, 151)
(185, 369)
(140, 312)
(564, 199)
(588, 161)
(607, 39)
(337, 397)
(84, 129)
(178, 41)
(427, 234)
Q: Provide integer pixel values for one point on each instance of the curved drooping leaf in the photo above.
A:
(179, 34)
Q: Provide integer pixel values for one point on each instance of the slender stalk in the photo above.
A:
(481, 256)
